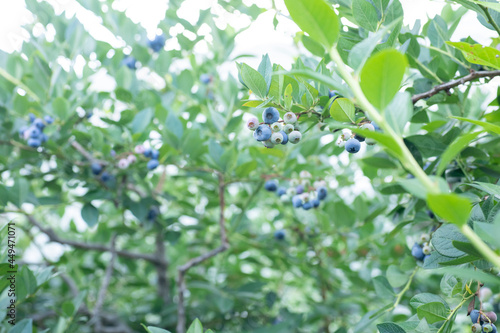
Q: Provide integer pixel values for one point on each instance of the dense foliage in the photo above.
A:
(141, 195)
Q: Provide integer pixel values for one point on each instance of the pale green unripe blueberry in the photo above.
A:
(370, 141)
(368, 126)
(319, 183)
(426, 249)
(296, 127)
(294, 137)
(268, 144)
(288, 128)
(305, 174)
(306, 183)
(340, 142)
(346, 133)
(424, 238)
(277, 138)
(276, 127)
(285, 198)
(305, 197)
(476, 328)
(485, 294)
(290, 118)
(291, 191)
(294, 182)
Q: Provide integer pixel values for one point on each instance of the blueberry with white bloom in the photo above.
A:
(288, 128)
(252, 123)
(322, 192)
(262, 133)
(155, 154)
(294, 137)
(270, 115)
(285, 138)
(297, 201)
(48, 119)
(268, 144)
(148, 152)
(352, 146)
(123, 163)
(277, 138)
(279, 234)
(32, 117)
(307, 205)
(96, 168)
(276, 127)
(39, 123)
(34, 142)
(315, 202)
(271, 185)
(152, 164)
(281, 191)
(300, 189)
(416, 252)
(290, 118)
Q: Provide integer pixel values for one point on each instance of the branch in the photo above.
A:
(489, 18)
(452, 84)
(96, 314)
(53, 237)
(181, 280)
(161, 269)
(86, 154)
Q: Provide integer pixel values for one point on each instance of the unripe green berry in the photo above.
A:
(426, 250)
(294, 137)
(277, 138)
(487, 328)
(290, 118)
(476, 328)
(276, 127)
(268, 144)
(288, 128)
(424, 238)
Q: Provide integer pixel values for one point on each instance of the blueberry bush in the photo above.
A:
(354, 191)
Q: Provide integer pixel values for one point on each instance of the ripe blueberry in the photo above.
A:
(359, 138)
(262, 133)
(152, 164)
(105, 176)
(417, 252)
(271, 185)
(205, 78)
(281, 191)
(270, 115)
(157, 43)
(285, 138)
(474, 316)
(297, 201)
(294, 137)
(315, 202)
(44, 138)
(152, 213)
(34, 142)
(307, 205)
(148, 152)
(22, 130)
(352, 146)
(96, 168)
(39, 123)
(130, 62)
(32, 117)
(48, 119)
(279, 234)
(155, 154)
(322, 192)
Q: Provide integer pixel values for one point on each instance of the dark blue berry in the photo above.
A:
(417, 252)
(96, 168)
(271, 185)
(285, 138)
(300, 189)
(297, 201)
(205, 78)
(148, 152)
(352, 146)
(315, 203)
(307, 205)
(157, 43)
(34, 142)
(153, 164)
(262, 133)
(130, 62)
(48, 119)
(155, 154)
(105, 176)
(279, 234)
(270, 115)
(281, 191)
(322, 192)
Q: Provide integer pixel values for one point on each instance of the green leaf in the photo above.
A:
(443, 238)
(390, 328)
(19, 192)
(486, 187)
(266, 70)
(492, 5)
(395, 277)
(425, 298)
(195, 327)
(450, 207)
(433, 312)
(342, 109)
(365, 14)
(382, 75)
(312, 46)
(479, 54)
(153, 329)
(317, 18)
(254, 80)
(488, 232)
(288, 96)
(487, 126)
(454, 149)
(90, 214)
(142, 120)
(24, 326)
(60, 106)
(399, 111)
(382, 287)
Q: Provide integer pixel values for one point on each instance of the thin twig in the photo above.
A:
(96, 314)
(86, 154)
(182, 270)
(490, 19)
(452, 84)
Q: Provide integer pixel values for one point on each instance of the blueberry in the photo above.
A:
(307, 205)
(34, 142)
(152, 213)
(431, 214)
(139, 149)
(130, 62)
(268, 144)
(476, 328)
(359, 138)
(22, 130)
(281, 191)
(290, 118)
(277, 138)
(34, 132)
(44, 138)
(262, 133)
(417, 252)
(148, 152)
(270, 115)
(39, 123)
(205, 78)
(426, 249)
(276, 127)
(271, 185)
(352, 146)
(487, 328)
(155, 154)
(375, 126)
(105, 176)
(297, 201)
(153, 164)
(48, 119)
(252, 123)
(32, 117)
(288, 128)
(492, 316)
(279, 234)
(112, 153)
(157, 43)
(474, 316)
(96, 168)
(427, 256)
(294, 137)
(322, 192)
(300, 189)
(315, 202)
(89, 114)
(123, 163)
(285, 138)
(494, 328)
(368, 126)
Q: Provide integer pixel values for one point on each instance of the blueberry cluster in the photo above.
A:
(33, 134)
(483, 322)
(421, 250)
(274, 131)
(352, 142)
(97, 169)
(300, 192)
(153, 154)
(157, 43)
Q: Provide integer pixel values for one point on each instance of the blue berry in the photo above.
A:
(285, 138)
(153, 164)
(105, 176)
(297, 201)
(32, 117)
(431, 214)
(300, 189)
(155, 154)
(130, 62)
(270, 115)
(359, 138)
(152, 213)
(48, 119)
(487, 328)
(34, 142)
(96, 168)
(332, 93)
(271, 185)
(322, 192)
(315, 202)
(352, 146)
(417, 252)
(148, 152)
(205, 78)
(474, 316)
(157, 44)
(39, 123)
(89, 114)
(44, 138)
(262, 133)
(377, 128)
(281, 191)
(34, 132)
(22, 130)
(112, 153)
(307, 205)
(279, 234)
